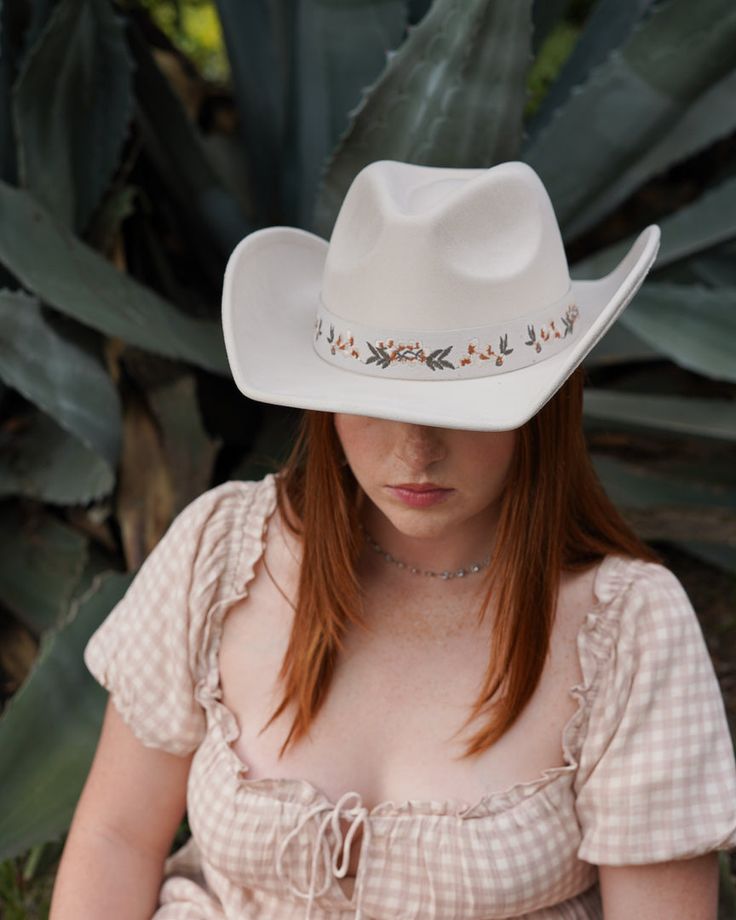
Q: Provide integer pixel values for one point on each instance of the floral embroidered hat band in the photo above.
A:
(443, 297)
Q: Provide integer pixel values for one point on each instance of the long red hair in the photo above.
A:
(555, 517)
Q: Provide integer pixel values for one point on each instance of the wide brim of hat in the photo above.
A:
(270, 295)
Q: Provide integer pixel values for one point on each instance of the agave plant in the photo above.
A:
(126, 180)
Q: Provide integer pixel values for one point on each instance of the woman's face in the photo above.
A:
(471, 465)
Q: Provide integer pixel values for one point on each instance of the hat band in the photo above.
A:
(445, 354)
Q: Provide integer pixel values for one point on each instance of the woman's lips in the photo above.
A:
(419, 499)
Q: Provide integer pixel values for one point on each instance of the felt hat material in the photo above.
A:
(443, 297)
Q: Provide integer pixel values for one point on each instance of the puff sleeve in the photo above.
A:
(657, 777)
(145, 652)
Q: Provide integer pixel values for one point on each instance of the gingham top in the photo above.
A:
(649, 770)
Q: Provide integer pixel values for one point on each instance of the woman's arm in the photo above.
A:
(682, 888)
(133, 801)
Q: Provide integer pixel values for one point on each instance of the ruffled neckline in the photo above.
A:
(593, 640)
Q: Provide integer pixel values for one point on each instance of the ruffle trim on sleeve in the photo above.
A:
(236, 570)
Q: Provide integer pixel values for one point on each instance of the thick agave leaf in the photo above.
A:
(716, 267)
(632, 99)
(41, 563)
(706, 222)
(258, 81)
(7, 77)
(72, 106)
(634, 485)
(55, 369)
(49, 731)
(209, 213)
(225, 154)
(710, 418)
(723, 557)
(330, 72)
(452, 95)
(620, 346)
(418, 9)
(711, 117)
(662, 507)
(40, 460)
(76, 280)
(188, 451)
(693, 326)
(272, 445)
(144, 497)
(39, 12)
(606, 28)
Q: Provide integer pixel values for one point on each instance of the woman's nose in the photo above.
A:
(420, 444)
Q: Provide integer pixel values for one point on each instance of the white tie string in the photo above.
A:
(330, 862)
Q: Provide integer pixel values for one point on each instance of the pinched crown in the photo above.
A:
(459, 268)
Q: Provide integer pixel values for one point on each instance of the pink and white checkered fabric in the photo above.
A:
(649, 770)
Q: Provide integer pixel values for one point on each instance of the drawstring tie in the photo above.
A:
(330, 865)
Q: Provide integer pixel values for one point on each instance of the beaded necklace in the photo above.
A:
(414, 570)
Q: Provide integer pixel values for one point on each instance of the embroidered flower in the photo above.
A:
(474, 351)
(550, 331)
(345, 346)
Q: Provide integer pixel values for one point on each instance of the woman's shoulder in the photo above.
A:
(619, 573)
(227, 521)
(233, 497)
(231, 500)
(643, 598)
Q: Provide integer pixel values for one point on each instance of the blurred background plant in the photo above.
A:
(140, 140)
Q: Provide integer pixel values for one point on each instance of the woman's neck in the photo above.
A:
(428, 545)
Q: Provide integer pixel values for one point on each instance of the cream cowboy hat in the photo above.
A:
(442, 298)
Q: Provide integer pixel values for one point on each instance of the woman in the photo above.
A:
(425, 670)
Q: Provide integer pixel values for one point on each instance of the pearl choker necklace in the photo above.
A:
(413, 570)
